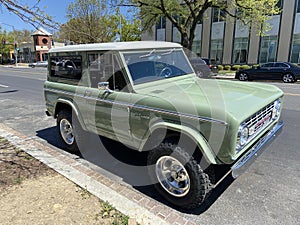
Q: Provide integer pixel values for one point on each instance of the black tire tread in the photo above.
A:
(200, 185)
(67, 114)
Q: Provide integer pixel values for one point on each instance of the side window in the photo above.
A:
(105, 67)
(267, 65)
(66, 67)
(281, 65)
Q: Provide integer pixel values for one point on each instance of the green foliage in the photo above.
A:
(184, 15)
(9, 45)
(227, 67)
(106, 209)
(235, 67)
(245, 67)
(85, 193)
(91, 21)
(220, 67)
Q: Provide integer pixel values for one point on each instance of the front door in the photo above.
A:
(108, 97)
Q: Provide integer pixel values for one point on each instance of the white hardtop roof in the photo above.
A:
(117, 46)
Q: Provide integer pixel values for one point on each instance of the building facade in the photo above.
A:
(42, 41)
(227, 41)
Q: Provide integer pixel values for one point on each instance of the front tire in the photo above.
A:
(243, 76)
(177, 176)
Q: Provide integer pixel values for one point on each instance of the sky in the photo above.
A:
(54, 8)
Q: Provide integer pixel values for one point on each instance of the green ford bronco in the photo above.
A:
(147, 96)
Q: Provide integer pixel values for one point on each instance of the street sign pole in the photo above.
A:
(16, 56)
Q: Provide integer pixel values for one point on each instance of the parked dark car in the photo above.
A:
(200, 67)
(287, 72)
(213, 67)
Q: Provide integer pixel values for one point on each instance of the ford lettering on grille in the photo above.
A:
(259, 120)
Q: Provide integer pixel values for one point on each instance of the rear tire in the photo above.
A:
(68, 128)
(288, 78)
(177, 176)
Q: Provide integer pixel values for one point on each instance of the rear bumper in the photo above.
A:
(248, 158)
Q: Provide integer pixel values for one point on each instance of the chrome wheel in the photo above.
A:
(66, 131)
(172, 176)
(243, 77)
(288, 78)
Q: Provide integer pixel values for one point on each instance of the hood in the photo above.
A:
(211, 98)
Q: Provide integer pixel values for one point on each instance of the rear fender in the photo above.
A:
(74, 108)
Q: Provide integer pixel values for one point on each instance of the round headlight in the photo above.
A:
(276, 109)
(244, 136)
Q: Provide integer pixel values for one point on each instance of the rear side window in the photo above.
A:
(66, 67)
(281, 65)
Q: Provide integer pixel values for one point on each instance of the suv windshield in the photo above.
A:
(151, 65)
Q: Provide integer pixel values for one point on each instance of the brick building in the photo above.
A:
(42, 41)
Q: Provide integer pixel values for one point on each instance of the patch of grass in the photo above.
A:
(18, 180)
(84, 193)
(109, 212)
(106, 209)
(124, 220)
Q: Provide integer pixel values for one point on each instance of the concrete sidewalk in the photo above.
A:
(123, 197)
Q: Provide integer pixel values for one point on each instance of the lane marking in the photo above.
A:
(291, 94)
(3, 86)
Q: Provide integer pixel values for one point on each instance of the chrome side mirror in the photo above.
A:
(104, 86)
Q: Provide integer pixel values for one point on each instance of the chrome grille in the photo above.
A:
(255, 124)
(260, 120)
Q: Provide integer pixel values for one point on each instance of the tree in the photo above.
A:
(22, 35)
(185, 14)
(7, 44)
(89, 22)
(93, 21)
(129, 29)
(30, 14)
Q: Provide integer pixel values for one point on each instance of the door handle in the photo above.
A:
(87, 93)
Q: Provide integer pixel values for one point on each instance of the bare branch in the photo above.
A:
(33, 15)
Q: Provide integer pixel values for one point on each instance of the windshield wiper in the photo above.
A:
(169, 52)
(149, 54)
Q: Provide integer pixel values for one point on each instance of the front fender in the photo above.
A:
(193, 134)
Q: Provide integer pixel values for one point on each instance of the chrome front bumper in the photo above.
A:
(247, 159)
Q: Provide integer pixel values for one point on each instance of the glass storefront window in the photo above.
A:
(268, 49)
(216, 50)
(240, 50)
(196, 48)
(295, 55)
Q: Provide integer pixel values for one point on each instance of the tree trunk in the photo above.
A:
(186, 42)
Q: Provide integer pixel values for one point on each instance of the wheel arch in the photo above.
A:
(69, 105)
(166, 129)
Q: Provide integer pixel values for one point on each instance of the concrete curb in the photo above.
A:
(124, 198)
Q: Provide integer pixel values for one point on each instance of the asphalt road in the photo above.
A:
(268, 193)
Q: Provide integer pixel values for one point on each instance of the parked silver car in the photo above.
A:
(38, 64)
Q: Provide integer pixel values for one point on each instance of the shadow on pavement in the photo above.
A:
(10, 91)
(128, 164)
